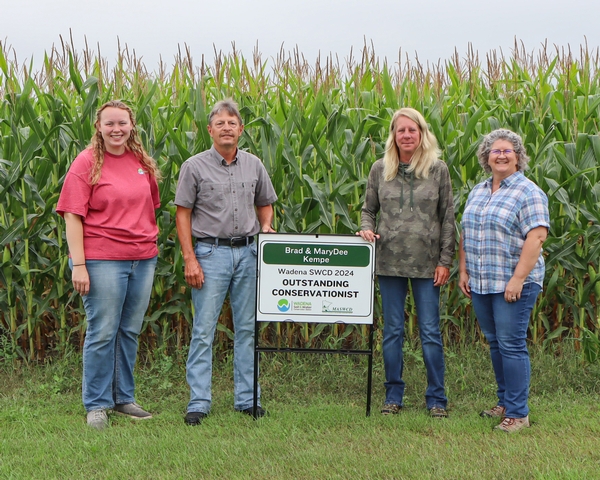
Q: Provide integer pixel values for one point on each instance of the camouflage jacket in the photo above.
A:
(416, 221)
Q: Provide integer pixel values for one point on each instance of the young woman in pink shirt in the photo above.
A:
(108, 202)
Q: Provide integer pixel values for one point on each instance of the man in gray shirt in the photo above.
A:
(224, 197)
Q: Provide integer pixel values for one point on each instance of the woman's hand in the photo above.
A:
(81, 279)
(463, 283)
(441, 276)
(513, 290)
(368, 235)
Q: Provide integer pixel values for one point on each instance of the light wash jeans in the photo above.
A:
(505, 326)
(226, 269)
(427, 299)
(115, 307)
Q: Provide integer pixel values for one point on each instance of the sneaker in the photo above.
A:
(391, 409)
(194, 418)
(97, 419)
(260, 412)
(438, 412)
(511, 425)
(132, 410)
(496, 412)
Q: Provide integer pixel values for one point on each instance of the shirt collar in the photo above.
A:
(515, 177)
(220, 160)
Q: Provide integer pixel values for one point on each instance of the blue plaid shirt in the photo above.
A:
(494, 228)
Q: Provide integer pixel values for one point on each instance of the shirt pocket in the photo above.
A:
(213, 195)
(249, 189)
(249, 192)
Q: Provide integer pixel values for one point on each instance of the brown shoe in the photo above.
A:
(497, 411)
(511, 425)
(438, 412)
(391, 409)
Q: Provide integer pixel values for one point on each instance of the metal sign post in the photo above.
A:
(313, 278)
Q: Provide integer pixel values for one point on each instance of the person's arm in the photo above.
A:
(80, 276)
(447, 220)
(463, 276)
(447, 228)
(194, 276)
(265, 218)
(527, 260)
(370, 209)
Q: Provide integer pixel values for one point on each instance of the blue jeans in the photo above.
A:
(115, 307)
(427, 299)
(505, 328)
(233, 270)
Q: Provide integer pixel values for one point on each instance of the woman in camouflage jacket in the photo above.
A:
(409, 210)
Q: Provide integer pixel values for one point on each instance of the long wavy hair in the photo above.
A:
(425, 155)
(133, 145)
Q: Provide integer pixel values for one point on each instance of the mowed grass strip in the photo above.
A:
(316, 426)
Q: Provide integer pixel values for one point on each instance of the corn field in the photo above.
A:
(318, 128)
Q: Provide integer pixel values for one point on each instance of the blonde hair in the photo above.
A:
(425, 155)
(133, 145)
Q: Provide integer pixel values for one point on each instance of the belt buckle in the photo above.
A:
(235, 240)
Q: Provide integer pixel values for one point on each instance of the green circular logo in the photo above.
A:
(283, 305)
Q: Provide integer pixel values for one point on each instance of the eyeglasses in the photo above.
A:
(508, 151)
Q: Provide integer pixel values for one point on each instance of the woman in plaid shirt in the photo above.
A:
(504, 226)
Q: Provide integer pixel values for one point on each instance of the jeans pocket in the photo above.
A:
(204, 250)
(530, 289)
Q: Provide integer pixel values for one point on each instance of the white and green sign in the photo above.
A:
(315, 278)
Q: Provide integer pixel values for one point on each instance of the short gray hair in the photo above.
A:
(483, 153)
(227, 105)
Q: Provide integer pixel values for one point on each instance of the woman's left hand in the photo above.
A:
(513, 289)
(441, 276)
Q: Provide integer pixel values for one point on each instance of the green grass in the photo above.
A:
(316, 429)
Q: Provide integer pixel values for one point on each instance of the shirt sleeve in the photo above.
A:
(76, 191)
(185, 196)
(154, 192)
(446, 215)
(265, 192)
(534, 211)
(368, 216)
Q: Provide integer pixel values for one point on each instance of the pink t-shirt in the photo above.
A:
(118, 212)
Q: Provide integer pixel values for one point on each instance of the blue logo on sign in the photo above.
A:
(283, 305)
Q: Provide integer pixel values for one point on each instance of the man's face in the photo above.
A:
(225, 130)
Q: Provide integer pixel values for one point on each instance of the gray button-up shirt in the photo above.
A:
(222, 197)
